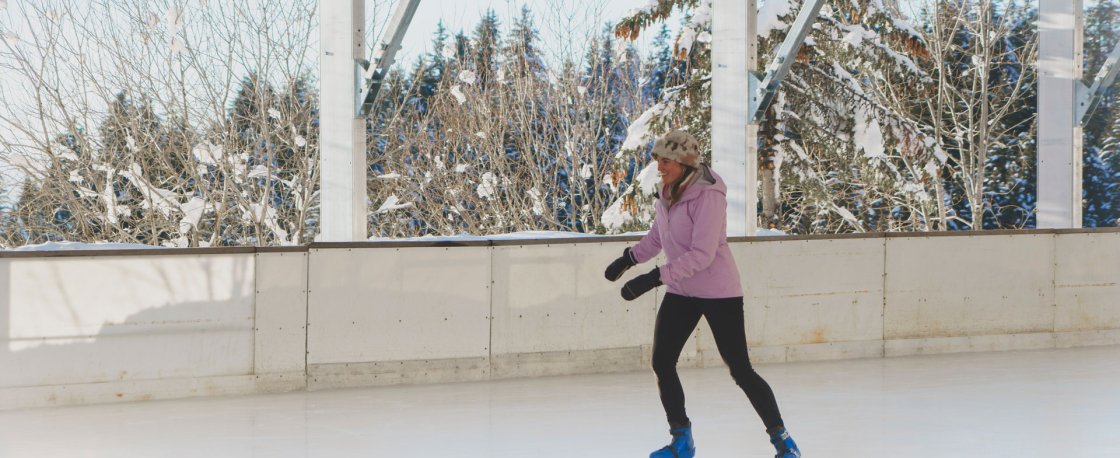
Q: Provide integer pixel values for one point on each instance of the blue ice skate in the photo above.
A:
(681, 447)
(784, 444)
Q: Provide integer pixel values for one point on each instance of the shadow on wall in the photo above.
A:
(72, 320)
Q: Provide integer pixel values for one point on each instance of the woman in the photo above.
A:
(691, 226)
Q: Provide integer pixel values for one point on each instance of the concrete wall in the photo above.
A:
(112, 327)
(392, 315)
(807, 298)
(162, 324)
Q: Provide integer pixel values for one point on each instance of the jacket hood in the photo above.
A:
(704, 180)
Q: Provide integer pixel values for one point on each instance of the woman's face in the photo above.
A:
(670, 171)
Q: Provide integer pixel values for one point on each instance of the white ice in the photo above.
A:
(1047, 403)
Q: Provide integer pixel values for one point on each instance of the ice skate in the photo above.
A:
(682, 446)
(784, 444)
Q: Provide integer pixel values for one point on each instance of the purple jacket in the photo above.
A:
(694, 236)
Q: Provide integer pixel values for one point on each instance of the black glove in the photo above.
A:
(620, 266)
(641, 284)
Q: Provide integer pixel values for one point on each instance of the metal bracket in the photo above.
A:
(1087, 98)
(764, 87)
(371, 76)
(754, 92)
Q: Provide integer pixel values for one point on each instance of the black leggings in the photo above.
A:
(676, 320)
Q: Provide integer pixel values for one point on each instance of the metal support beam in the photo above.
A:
(1059, 133)
(374, 75)
(734, 141)
(764, 88)
(1088, 97)
(342, 136)
(740, 97)
(349, 86)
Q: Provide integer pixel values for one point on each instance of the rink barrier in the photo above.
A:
(126, 325)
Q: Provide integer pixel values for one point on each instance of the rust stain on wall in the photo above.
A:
(815, 337)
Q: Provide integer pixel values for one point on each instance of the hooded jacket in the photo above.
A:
(693, 234)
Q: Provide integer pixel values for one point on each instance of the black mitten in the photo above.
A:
(620, 266)
(641, 284)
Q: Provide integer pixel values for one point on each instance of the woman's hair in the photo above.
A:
(677, 189)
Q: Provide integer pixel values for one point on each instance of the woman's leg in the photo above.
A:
(676, 320)
(726, 321)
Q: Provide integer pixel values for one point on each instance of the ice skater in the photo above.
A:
(691, 226)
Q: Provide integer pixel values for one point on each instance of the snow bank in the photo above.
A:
(76, 246)
(524, 235)
(532, 235)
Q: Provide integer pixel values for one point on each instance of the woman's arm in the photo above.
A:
(648, 246)
(707, 230)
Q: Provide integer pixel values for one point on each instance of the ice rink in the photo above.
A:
(1047, 403)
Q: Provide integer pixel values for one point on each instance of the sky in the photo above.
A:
(562, 23)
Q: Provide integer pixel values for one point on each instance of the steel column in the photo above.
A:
(1059, 134)
(734, 141)
(342, 137)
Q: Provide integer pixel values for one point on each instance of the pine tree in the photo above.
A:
(487, 41)
(34, 217)
(660, 71)
(1101, 170)
(522, 48)
(850, 158)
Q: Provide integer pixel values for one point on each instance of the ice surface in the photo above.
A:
(1038, 404)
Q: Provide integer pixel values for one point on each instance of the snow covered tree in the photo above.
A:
(1101, 185)
(851, 160)
(525, 151)
(159, 140)
(982, 56)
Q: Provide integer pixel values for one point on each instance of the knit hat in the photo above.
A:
(679, 146)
